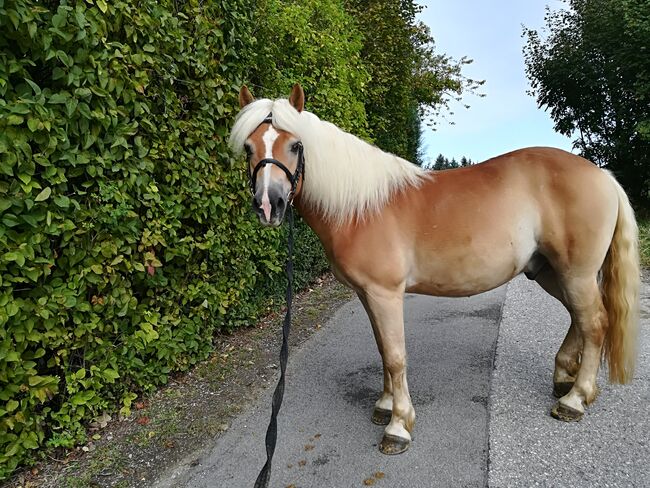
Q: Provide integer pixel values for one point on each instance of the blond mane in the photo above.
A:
(345, 177)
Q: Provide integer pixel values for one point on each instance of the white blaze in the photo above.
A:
(269, 139)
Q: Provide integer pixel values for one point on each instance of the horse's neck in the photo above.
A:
(323, 230)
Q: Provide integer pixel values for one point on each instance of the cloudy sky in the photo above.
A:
(489, 32)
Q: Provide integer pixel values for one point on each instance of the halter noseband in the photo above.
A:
(292, 177)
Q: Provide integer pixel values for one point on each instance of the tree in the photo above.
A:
(441, 163)
(408, 79)
(316, 43)
(592, 70)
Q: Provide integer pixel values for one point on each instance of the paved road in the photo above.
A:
(610, 447)
(478, 422)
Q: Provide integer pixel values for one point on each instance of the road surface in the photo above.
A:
(480, 372)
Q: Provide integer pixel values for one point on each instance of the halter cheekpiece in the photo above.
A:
(292, 177)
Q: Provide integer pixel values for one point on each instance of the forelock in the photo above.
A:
(252, 115)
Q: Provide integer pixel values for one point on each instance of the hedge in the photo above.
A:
(126, 239)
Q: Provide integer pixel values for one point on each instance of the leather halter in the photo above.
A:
(292, 177)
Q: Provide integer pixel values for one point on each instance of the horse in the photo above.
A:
(389, 227)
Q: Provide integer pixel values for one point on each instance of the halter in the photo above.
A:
(292, 177)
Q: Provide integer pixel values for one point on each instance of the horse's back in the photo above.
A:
(475, 228)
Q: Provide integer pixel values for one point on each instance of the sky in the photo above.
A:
(507, 118)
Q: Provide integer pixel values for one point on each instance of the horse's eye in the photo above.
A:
(295, 147)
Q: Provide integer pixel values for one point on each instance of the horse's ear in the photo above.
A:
(245, 96)
(297, 97)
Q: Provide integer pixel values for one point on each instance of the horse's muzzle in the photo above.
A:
(270, 206)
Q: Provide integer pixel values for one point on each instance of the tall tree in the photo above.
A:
(592, 70)
(408, 79)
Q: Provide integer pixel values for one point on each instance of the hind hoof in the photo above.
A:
(566, 413)
(381, 416)
(391, 445)
(562, 388)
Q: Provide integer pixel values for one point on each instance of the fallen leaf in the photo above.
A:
(143, 420)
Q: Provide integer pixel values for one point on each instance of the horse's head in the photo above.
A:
(275, 159)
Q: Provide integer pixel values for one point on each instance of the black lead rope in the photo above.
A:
(272, 430)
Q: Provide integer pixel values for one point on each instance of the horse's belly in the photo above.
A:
(466, 274)
(453, 288)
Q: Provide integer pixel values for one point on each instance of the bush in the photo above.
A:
(126, 239)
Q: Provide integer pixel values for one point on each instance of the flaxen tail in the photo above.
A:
(620, 288)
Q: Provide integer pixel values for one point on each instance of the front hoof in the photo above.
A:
(391, 444)
(566, 413)
(562, 388)
(381, 416)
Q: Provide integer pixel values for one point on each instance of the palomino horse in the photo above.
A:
(389, 227)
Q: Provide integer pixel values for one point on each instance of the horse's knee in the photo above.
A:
(395, 362)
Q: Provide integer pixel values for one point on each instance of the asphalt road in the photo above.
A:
(480, 422)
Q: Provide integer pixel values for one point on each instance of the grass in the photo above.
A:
(644, 241)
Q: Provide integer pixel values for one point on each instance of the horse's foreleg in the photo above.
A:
(590, 318)
(383, 409)
(385, 309)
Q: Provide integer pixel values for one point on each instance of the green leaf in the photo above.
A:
(31, 442)
(10, 220)
(102, 5)
(62, 201)
(33, 124)
(44, 194)
(15, 256)
(14, 119)
(57, 98)
(5, 203)
(24, 177)
(35, 87)
(110, 374)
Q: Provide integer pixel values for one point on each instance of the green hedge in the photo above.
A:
(126, 239)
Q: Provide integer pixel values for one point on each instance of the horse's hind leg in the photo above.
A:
(385, 309)
(383, 408)
(590, 318)
(567, 359)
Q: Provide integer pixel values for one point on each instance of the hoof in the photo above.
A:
(391, 444)
(566, 413)
(562, 388)
(381, 416)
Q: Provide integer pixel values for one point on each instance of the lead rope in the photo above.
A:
(272, 430)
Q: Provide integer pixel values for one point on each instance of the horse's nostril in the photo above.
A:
(257, 201)
(280, 204)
